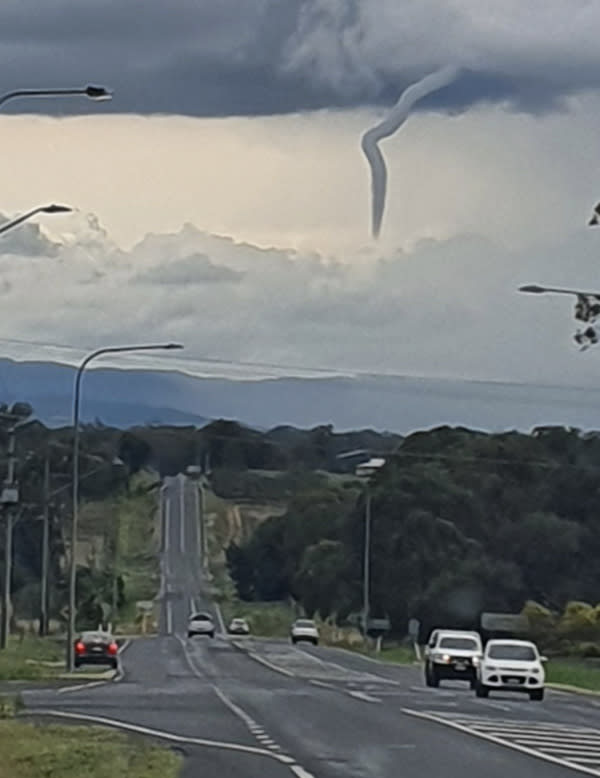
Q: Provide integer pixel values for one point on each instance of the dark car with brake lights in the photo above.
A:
(96, 648)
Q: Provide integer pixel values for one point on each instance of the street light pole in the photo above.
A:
(97, 93)
(367, 560)
(41, 209)
(75, 514)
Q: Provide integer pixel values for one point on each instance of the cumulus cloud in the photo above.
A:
(445, 308)
(194, 269)
(269, 57)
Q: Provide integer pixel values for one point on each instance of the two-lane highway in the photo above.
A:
(265, 707)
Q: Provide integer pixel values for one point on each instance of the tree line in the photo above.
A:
(462, 522)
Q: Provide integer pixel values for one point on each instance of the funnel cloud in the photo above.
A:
(391, 124)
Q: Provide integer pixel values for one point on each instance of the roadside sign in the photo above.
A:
(9, 495)
(377, 627)
(414, 627)
(145, 605)
(504, 622)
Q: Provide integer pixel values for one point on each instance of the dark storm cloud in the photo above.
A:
(249, 57)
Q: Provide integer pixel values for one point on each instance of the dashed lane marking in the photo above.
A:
(250, 723)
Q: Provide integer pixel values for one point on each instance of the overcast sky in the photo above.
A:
(238, 222)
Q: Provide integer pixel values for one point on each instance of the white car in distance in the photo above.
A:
(304, 629)
(511, 665)
(201, 624)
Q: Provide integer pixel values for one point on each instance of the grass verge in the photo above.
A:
(46, 750)
(573, 672)
(31, 659)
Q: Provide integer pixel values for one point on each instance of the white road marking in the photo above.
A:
(494, 705)
(324, 685)
(348, 670)
(158, 733)
(169, 617)
(300, 772)
(471, 727)
(363, 696)
(79, 687)
(270, 665)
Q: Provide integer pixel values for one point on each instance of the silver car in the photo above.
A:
(201, 624)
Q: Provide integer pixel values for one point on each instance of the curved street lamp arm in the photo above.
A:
(20, 219)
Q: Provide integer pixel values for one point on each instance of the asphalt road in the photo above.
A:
(250, 707)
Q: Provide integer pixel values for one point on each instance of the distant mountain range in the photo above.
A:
(123, 398)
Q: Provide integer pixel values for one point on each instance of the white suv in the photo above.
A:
(452, 655)
(511, 665)
(304, 629)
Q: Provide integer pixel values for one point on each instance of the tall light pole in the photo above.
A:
(96, 93)
(53, 208)
(366, 470)
(75, 514)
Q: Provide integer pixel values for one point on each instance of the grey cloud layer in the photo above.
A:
(276, 56)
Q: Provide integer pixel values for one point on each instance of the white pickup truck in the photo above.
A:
(452, 655)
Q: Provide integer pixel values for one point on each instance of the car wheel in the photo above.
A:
(315, 642)
(77, 665)
(473, 683)
(434, 678)
(190, 634)
(115, 665)
(537, 695)
(428, 674)
(294, 641)
(481, 690)
(212, 634)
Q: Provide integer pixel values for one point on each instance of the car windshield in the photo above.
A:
(91, 636)
(304, 623)
(511, 651)
(465, 644)
(201, 617)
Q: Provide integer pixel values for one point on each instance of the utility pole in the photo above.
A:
(10, 496)
(44, 599)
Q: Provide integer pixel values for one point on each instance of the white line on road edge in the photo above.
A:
(158, 733)
(498, 741)
(78, 687)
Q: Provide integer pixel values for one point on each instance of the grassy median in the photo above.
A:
(51, 751)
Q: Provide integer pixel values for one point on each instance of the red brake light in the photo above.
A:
(113, 648)
(79, 647)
